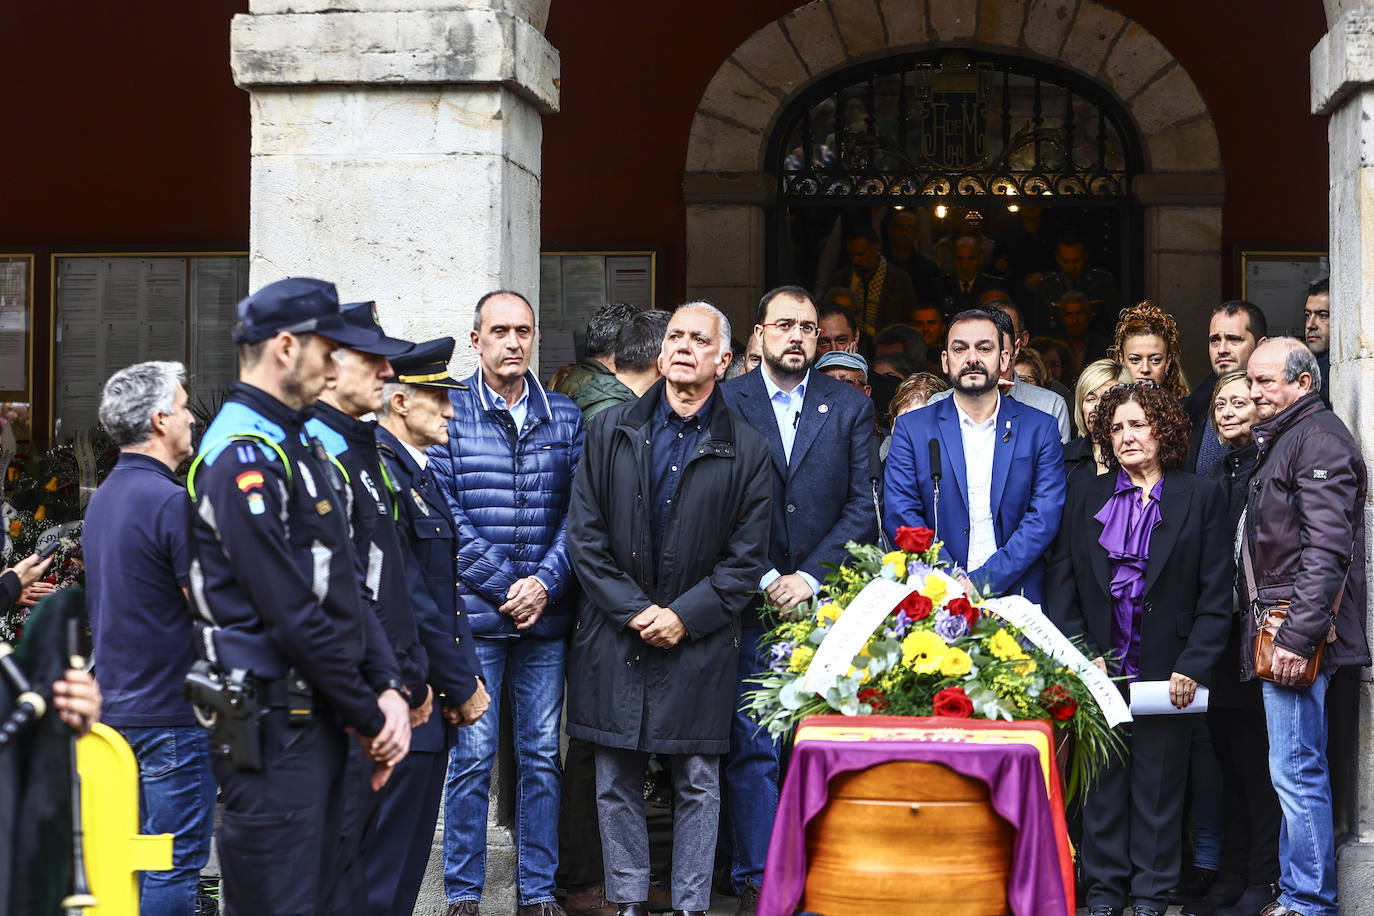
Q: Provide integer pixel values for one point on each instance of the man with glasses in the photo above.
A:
(818, 431)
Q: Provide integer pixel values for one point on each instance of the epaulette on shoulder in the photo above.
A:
(261, 441)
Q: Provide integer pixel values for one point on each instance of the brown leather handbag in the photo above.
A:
(1269, 619)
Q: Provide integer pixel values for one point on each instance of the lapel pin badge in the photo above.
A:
(823, 408)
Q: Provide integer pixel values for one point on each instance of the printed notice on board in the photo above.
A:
(631, 280)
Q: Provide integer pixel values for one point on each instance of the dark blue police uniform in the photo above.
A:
(396, 858)
(273, 578)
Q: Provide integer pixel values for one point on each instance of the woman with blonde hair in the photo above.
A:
(1147, 345)
(1083, 459)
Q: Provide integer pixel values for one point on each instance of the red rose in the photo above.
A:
(916, 606)
(962, 607)
(953, 703)
(914, 540)
(873, 697)
(1059, 702)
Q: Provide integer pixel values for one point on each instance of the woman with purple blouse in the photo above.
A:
(1142, 573)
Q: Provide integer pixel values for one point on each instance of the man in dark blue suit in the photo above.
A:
(414, 415)
(818, 431)
(1002, 488)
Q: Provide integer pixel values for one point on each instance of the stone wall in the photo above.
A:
(728, 186)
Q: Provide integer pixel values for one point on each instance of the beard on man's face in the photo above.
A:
(975, 380)
(791, 361)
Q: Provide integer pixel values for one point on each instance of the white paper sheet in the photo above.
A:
(1151, 698)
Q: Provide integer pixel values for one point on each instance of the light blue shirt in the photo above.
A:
(519, 410)
(787, 408)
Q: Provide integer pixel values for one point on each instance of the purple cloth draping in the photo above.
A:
(1126, 528)
(1014, 779)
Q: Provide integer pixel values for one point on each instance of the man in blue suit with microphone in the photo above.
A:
(999, 464)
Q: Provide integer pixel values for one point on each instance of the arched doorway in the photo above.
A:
(1013, 152)
(730, 189)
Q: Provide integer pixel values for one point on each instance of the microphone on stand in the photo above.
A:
(935, 476)
(875, 477)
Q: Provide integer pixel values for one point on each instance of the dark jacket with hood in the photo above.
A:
(1232, 471)
(1305, 522)
(622, 692)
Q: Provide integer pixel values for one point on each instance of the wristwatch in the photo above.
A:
(396, 685)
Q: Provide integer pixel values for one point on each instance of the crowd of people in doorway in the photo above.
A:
(381, 557)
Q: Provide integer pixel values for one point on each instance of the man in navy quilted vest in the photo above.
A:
(507, 472)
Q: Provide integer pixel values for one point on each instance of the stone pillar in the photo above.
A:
(396, 150)
(1343, 88)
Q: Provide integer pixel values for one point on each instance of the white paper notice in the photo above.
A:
(850, 633)
(1151, 698)
(1036, 627)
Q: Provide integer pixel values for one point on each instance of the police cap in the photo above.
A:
(426, 365)
(362, 316)
(296, 305)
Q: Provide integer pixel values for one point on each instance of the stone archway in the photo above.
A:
(727, 185)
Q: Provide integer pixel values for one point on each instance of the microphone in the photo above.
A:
(935, 475)
(875, 461)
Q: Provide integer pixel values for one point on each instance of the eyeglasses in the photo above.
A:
(1142, 384)
(808, 328)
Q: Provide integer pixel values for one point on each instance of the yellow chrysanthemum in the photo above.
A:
(922, 651)
(955, 662)
(897, 560)
(1024, 667)
(934, 589)
(1004, 646)
(829, 612)
(801, 659)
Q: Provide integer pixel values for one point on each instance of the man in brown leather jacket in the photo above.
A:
(1304, 524)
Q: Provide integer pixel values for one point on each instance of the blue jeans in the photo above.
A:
(531, 670)
(749, 775)
(176, 796)
(1298, 767)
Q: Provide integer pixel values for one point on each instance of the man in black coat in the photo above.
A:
(668, 532)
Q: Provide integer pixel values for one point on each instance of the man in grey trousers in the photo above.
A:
(668, 532)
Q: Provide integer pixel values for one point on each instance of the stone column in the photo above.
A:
(396, 150)
(1343, 88)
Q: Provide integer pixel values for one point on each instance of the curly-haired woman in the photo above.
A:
(1147, 344)
(1142, 572)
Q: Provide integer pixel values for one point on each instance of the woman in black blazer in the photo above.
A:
(1142, 571)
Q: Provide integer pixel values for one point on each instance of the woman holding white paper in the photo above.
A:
(1142, 571)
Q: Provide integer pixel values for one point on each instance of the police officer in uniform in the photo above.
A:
(1099, 286)
(281, 624)
(351, 444)
(414, 415)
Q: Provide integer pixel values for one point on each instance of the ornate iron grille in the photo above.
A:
(955, 125)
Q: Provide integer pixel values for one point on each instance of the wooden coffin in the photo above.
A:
(907, 837)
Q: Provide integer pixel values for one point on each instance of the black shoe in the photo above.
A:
(1193, 886)
(1103, 909)
(1252, 902)
(633, 909)
(748, 901)
(1141, 909)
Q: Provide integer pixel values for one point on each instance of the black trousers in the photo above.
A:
(396, 857)
(1251, 814)
(579, 833)
(280, 830)
(1133, 817)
